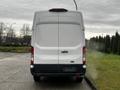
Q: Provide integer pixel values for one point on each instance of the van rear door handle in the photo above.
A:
(64, 51)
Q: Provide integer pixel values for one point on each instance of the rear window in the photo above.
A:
(70, 34)
(46, 34)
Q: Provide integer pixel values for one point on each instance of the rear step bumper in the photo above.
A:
(58, 70)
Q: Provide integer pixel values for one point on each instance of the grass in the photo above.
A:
(104, 70)
(15, 49)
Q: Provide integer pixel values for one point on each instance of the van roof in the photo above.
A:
(70, 12)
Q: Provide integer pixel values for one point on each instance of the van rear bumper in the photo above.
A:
(58, 70)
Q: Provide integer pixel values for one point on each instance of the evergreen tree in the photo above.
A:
(116, 42)
(118, 50)
(107, 44)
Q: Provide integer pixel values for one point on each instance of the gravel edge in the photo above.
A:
(90, 83)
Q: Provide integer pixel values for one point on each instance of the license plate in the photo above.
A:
(69, 69)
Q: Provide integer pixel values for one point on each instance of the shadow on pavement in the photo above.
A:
(57, 84)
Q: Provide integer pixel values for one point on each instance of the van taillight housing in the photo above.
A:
(84, 54)
(32, 56)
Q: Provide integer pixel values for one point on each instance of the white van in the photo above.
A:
(58, 44)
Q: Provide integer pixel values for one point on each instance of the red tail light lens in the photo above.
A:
(32, 62)
(84, 62)
(84, 55)
(32, 56)
(32, 50)
(84, 50)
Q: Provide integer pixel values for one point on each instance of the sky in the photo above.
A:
(101, 17)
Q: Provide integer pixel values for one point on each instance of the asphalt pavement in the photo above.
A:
(15, 75)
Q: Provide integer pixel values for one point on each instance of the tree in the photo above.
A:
(116, 42)
(27, 40)
(107, 44)
(10, 36)
(2, 28)
(101, 43)
(118, 49)
(25, 31)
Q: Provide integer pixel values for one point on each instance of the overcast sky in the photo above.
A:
(101, 17)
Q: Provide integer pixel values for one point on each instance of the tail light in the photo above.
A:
(84, 55)
(32, 55)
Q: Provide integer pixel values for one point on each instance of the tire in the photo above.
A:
(36, 78)
(79, 79)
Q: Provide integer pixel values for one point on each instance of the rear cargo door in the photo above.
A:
(71, 40)
(46, 40)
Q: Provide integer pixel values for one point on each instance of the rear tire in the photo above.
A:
(36, 78)
(79, 79)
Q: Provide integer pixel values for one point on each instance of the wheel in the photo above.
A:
(36, 78)
(79, 79)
